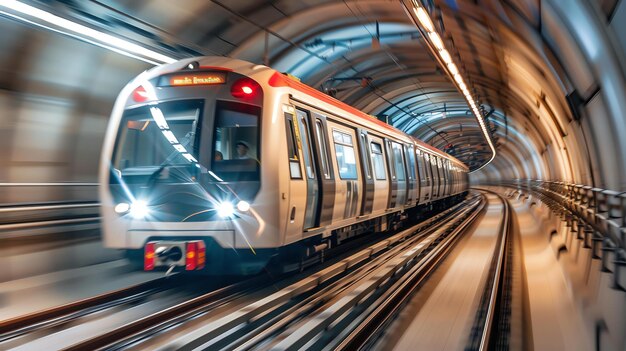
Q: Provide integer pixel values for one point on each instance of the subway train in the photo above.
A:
(220, 166)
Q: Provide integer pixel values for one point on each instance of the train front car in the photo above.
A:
(181, 169)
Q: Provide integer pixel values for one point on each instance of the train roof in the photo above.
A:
(278, 80)
(281, 80)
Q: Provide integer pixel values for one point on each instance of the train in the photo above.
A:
(221, 166)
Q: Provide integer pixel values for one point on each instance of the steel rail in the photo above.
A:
(498, 274)
(21, 325)
(143, 329)
(377, 273)
(380, 317)
(118, 338)
(308, 305)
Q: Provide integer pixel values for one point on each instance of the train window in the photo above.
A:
(236, 141)
(398, 161)
(344, 151)
(321, 141)
(427, 164)
(235, 127)
(292, 150)
(158, 136)
(420, 167)
(379, 161)
(306, 148)
(411, 160)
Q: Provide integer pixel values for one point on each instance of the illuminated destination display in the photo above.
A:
(194, 79)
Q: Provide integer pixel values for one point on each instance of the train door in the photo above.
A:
(413, 196)
(348, 195)
(393, 182)
(321, 147)
(435, 173)
(442, 177)
(442, 180)
(366, 173)
(424, 176)
(296, 194)
(400, 172)
(311, 213)
(379, 168)
(449, 181)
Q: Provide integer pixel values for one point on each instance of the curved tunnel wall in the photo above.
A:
(56, 93)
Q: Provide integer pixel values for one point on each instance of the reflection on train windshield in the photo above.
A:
(159, 135)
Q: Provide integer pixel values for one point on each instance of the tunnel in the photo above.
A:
(527, 97)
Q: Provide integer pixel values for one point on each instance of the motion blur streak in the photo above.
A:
(86, 33)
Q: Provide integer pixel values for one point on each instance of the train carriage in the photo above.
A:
(218, 165)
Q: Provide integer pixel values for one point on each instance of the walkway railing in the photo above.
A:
(595, 216)
(34, 209)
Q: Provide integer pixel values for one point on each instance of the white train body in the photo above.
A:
(299, 169)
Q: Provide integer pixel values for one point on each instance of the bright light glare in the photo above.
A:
(424, 19)
(246, 89)
(243, 206)
(445, 56)
(453, 69)
(122, 207)
(139, 209)
(102, 39)
(458, 78)
(225, 209)
(436, 40)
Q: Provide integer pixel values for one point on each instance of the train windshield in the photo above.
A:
(159, 136)
(186, 141)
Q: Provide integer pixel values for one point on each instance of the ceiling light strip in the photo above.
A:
(422, 20)
(83, 32)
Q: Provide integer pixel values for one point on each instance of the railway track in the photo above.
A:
(60, 315)
(263, 312)
(320, 306)
(18, 331)
(491, 327)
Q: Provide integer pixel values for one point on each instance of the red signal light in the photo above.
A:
(195, 256)
(140, 94)
(245, 88)
(148, 258)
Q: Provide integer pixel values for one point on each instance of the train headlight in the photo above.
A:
(225, 209)
(122, 208)
(243, 206)
(139, 209)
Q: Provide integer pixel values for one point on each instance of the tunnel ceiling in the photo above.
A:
(371, 55)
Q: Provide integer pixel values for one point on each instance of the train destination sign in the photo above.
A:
(194, 79)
